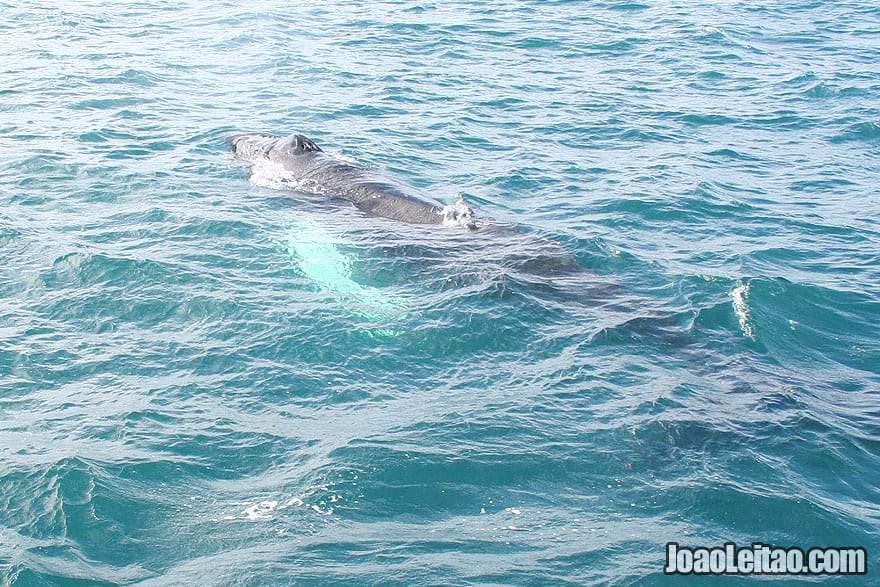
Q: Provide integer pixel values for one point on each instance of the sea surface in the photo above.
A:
(669, 332)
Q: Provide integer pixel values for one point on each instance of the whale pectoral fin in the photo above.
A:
(297, 144)
(317, 252)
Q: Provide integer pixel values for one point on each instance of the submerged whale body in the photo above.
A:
(313, 170)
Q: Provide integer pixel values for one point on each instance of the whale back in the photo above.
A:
(306, 167)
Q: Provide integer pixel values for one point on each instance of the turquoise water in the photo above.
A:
(207, 381)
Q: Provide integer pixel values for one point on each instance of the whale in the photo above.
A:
(307, 168)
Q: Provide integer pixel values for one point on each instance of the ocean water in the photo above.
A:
(672, 335)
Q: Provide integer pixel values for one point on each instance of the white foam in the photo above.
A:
(740, 297)
(265, 510)
(342, 156)
(458, 214)
(272, 175)
(261, 511)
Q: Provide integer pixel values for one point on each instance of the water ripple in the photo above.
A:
(669, 332)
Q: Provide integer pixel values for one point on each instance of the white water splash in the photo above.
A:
(271, 174)
(740, 296)
(266, 510)
(261, 511)
(458, 214)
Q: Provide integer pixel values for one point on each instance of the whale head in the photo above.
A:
(252, 146)
(256, 146)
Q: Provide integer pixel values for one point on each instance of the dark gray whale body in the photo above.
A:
(313, 170)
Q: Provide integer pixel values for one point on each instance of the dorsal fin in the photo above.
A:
(297, 144)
